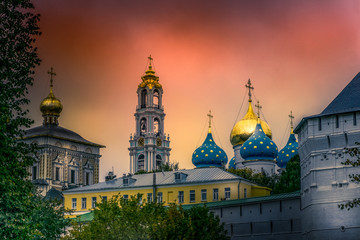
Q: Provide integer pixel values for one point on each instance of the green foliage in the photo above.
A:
(355, 178)
(260, 178)
(23, 212)
(128, 219)
(167, 167)
(290, 178)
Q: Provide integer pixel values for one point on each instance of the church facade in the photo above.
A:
(149, 146)
(64, 159)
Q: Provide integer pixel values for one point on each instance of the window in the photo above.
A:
(156, 98)
(156, 125)
(104, 198)
(149, 197)
(126, 197)
(159, 197)
(319, 124)
(34, 172)
(337, 121)
(143, 126)
(158, 161)
(74, 203)
(203, 195)
(125, 181)
(72, 176)
(87, 178)
(83, 203)
(215, 194)
(192, 195)
(141, 162)
(177, 177)
(245, 193)
(227, 193)
(57, 174)
(143, 98)
(181, 196)
(93, 202)
(354, 119)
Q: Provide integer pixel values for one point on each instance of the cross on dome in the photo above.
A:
(52, 74)
(210, 117)
(291, 116)
(259, 107)
(150, 59)
(250, 87)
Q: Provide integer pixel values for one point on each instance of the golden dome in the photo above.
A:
(51, 105)
(150, 79)
(246, 127)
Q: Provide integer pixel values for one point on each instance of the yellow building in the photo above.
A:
(200, 185)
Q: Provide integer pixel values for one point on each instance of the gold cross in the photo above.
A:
(150, 58)
(52, 73)
(258, 106)
(210, 117)
(248, 85)
(291, 116)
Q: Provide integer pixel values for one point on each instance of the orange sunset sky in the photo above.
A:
(299, 55)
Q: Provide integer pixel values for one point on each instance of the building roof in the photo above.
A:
(197, 175)
(236, 202)
(54, 194)
(57, 132)
(348, 100)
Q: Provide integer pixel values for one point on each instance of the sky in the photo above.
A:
(298, 54)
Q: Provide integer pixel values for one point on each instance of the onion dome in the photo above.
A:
(232, 163)
(51, 105)
(209, 154)
(246, 126)
(259, 146)
(291, 148)
(150, 79)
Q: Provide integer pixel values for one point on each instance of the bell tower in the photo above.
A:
(149, 146)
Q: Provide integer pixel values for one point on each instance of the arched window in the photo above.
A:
(143, 127)
(156, 125)
(141, 159)
(158, 161)
(156, 98)
(143, 98)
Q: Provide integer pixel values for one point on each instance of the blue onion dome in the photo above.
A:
(290, 150)
(259, 146)
(209, 154)
(232, 163)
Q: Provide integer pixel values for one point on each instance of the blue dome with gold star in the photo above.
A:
(289, 151)
(232, 163)
(209, 154)
(259, 146)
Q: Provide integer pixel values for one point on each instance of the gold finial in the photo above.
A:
(52, 73)
(210, 117)
(250, 87)
(259, 107)
(291, 116)
(150, 59)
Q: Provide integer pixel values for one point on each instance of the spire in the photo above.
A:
(291, 116)
(250, 87)
(210, 117)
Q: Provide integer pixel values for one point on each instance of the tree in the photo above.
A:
(167, 167)
(260, 178)
(354, 153)
(23, 212)
(128, 219)
(290, 178)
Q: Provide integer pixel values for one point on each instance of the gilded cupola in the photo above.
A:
(244, 128)
(51, 107)
(150, 79)
(209, 154)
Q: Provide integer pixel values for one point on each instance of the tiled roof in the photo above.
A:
(59, 133)
(348, 100)
(197, 175)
